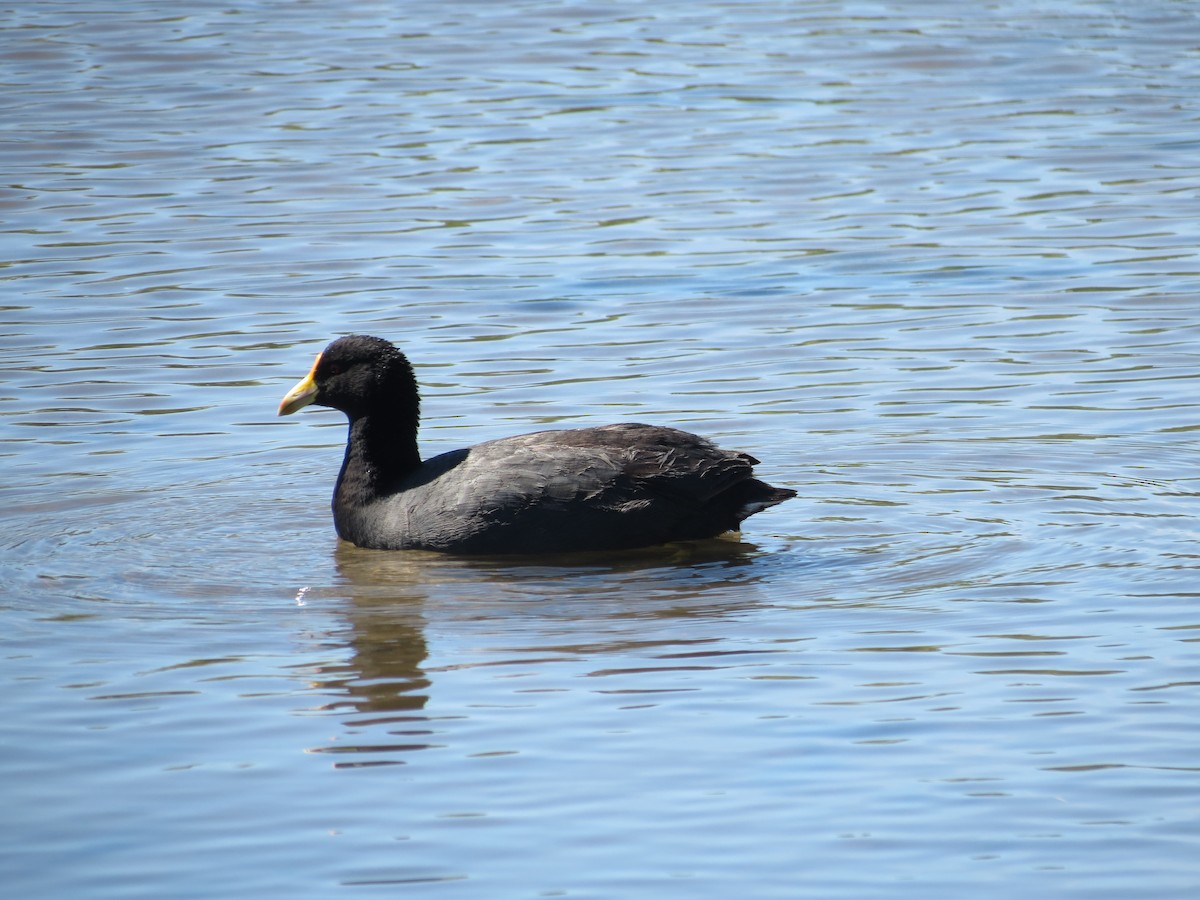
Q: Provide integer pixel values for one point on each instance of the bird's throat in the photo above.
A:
(379, 455)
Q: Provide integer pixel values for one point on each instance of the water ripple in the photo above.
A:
(936, 266)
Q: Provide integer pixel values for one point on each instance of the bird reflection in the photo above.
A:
(383, 687)
(384, 675)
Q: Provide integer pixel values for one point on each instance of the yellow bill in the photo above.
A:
(304, 393)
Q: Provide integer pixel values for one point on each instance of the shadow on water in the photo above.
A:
(380, 571)
(516, 610)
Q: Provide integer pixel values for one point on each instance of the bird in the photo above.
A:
(607, 487)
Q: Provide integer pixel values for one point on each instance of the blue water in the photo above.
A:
(935, 264)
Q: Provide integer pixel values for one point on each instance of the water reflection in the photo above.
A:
(693, 569)
(572, 607)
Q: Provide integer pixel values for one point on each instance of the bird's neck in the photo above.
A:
(380, 452)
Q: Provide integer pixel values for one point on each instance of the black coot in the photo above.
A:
(603, 488)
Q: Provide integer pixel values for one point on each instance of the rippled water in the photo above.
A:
(936, 264)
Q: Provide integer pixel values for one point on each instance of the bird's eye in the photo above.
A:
(333, 369)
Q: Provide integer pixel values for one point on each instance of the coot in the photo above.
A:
(601, 488)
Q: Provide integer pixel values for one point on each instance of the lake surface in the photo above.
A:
(935, 263)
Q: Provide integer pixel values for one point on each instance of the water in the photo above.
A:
(934, 263)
